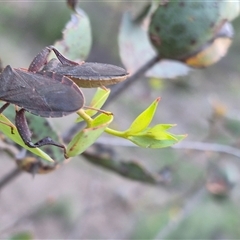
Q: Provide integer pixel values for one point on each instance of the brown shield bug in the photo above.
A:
(84, 74)
(46, 95)
(49, 89)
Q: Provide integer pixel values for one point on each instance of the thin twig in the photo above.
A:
(199, 146)
(213, 147)
(9, 177)
(116, 90)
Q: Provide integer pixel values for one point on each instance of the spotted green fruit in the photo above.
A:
(179, 29)
(213, 51)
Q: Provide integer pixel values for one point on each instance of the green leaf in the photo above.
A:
(129, 169)
(97, 102)
(77, 37)
(163, 135)
(158, 132)
(149, 137)
(85, 138)
(149, 142)
(17, 138)
(162, 127)
(143, 120)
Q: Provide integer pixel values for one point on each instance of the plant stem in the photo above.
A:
(114, 132)
(116, 90)
(198, 146)
(9, 177)
(85, 117)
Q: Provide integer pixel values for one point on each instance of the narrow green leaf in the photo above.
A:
(162, 127)
(17, 138)
(143, 120)
(128, 169)
(102, 119)
(158, 132)
(100, 97)
(97, 102)
(159, 135)
(149, 142)
(85, 138)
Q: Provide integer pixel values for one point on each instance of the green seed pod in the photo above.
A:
(178, 29)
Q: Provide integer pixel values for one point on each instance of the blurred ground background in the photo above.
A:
(82, 201)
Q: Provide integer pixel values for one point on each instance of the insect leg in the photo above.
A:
(40, 60)
(4, 107)
(24, 131)
(1, 110)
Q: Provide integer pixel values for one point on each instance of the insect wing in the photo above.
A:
(93, 74)
(90, 70)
